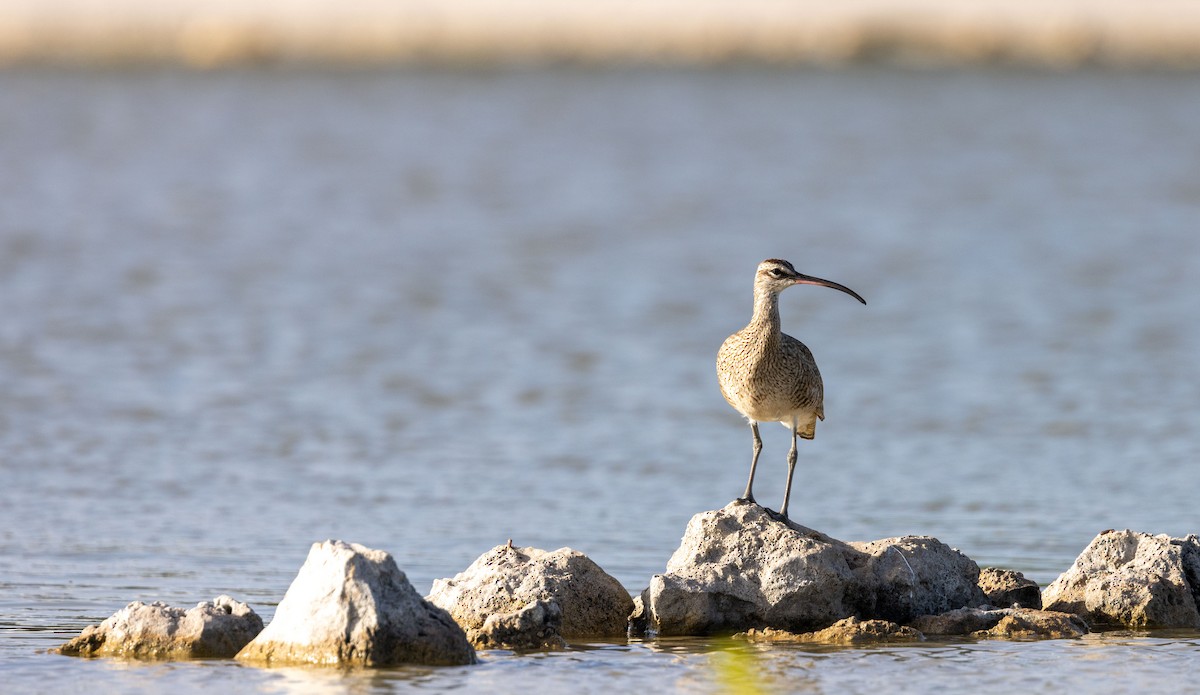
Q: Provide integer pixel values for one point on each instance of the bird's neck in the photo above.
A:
(766, 314)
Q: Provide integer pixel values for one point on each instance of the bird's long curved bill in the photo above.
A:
(810, 280)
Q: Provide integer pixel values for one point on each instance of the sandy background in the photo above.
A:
(1061, 33)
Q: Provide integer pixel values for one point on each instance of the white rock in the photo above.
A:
(217, 628)
(528, 597)
(1132, 579)
(351, 605)
(739, 568)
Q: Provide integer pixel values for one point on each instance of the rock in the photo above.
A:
(918, 575)
(961, 621)
(847, 631)
(536, 626)
(1013, 623)
(494, 599)
(1008, 588)
(351, 605)
(1023, 623)
(639, 617)
(213, 629)
(1132, 579)
(739, 568)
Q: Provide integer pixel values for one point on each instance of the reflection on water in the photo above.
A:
(241, 312)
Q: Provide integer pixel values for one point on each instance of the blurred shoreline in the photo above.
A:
(1052, 33)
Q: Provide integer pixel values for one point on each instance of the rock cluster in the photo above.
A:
(740, 568)
(217, 628)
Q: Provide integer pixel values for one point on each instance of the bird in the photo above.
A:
(769, 376)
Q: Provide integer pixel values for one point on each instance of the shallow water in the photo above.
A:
(429, 311)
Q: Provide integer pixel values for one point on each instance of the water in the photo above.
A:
(429, 311)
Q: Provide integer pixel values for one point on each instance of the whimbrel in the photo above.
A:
(769, 376)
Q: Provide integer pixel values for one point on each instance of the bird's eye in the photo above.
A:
(776, 273)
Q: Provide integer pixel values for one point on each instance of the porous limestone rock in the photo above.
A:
(536, 626)
(1009, 588)
(741, 567)
(1011, 623)
(217, 629)
(351, 605)
(846, 631)
(531, 598)
(1132, 579)
(917, 575)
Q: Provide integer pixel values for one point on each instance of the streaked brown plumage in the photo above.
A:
(769, 376)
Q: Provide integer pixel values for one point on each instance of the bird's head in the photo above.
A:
(775, 275)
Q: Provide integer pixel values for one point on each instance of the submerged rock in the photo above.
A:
(961, 621)
(530, 598)
(1009, 588)
(846, 631)
(740, 567)
(1012, 623)
(1022, 623)
(217, 629)
(351, 605)
(1132, 579)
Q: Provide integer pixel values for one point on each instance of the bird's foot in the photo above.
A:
(749, 499)
(778, 516)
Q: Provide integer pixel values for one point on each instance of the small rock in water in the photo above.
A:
(1009, 588)
(1132, 579)
(1012, 623)
(522, 598)
(213, 629)
(1021, 623)
(351, 605)
(847, 631)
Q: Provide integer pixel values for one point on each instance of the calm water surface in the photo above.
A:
(241, 312)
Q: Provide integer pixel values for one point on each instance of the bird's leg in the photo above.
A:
(749, 496)
(787, 489)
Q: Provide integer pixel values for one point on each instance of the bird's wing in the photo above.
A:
(808, 391)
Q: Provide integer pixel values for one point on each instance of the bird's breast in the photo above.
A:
(770, 383)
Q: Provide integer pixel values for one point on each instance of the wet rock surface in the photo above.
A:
(213, 629)
(845, 631)
(1012, 623)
